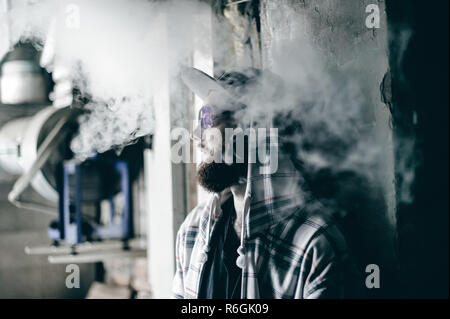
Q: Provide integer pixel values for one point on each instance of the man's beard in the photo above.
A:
(215, 177)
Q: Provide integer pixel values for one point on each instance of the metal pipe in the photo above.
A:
(96, 257)
(236, 2)
(135, 244)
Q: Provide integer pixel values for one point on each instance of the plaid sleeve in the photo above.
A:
(324, 268)
(178, 281)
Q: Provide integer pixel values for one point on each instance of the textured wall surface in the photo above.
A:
(337, 30)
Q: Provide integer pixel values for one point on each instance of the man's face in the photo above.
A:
(213, 174)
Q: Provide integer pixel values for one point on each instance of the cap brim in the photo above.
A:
(201, 83)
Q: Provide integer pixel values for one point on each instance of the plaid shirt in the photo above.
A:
(288, 244)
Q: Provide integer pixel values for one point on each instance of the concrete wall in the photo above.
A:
(337, 30)
(165, 182)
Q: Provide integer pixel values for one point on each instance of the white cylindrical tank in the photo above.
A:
(21, 81)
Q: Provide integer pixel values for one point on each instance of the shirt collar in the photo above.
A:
(271, 197)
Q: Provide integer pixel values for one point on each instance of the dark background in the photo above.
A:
(420, 84)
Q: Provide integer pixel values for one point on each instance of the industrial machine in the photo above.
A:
(91, 201)
(99, 182)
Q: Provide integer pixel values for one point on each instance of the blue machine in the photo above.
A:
(71, 227)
